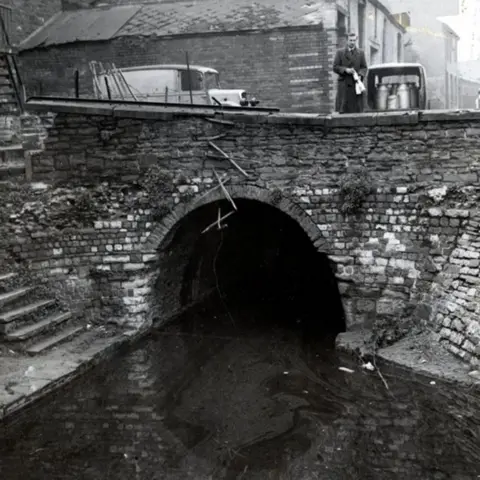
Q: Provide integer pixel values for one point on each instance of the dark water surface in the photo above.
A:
(208, 398)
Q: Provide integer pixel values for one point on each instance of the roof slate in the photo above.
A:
(173, 17)
(203, 16)
(81, 26)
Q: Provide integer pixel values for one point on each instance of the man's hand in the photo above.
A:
(349, 71)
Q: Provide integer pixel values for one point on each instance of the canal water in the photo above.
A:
(235, 396)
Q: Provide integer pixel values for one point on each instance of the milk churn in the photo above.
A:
(392, 102)
(403, 96)
(413, 95)
(381, 97)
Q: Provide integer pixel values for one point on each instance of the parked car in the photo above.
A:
(396, 86)
(168, 84)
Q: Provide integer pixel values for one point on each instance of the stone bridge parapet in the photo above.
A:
(390, 198)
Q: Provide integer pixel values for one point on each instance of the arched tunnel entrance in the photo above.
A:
(262, 262)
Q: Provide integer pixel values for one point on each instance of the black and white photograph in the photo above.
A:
(239, 240)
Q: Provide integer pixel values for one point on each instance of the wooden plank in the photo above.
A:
(235, 164)
(219, 122)
(211, 190)
(225, 191)
(215, 137)
(217, 222)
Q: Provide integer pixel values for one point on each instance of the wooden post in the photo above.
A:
(28, 166)
(189, 78)
(109, 93)
(77, 84)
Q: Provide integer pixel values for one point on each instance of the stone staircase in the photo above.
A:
(9, 104)
(12, 163)
(12, 156)
(20, 132)
(31, 325)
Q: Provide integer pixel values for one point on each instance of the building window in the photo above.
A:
(341, 28)
(384, 40)
(6, 16)
(361, 24)
(399, 47)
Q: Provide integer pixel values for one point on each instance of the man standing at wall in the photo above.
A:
(348, 61)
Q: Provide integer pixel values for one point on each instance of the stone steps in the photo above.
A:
(54, 340)
(8, 97)
(31, 325)
(7, 276)
(13, 153)
(6, 298)
(12, 172)
(8, 319)
(29, 331)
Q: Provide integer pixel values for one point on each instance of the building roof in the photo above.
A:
(81, 26)
(384, 7)
(175, 18)
(454, 22)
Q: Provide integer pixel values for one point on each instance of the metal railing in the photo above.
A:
(6, 15)
(8, 53)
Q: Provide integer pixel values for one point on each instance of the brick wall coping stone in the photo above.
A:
(160, 112)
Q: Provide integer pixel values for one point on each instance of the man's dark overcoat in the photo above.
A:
(347, 100)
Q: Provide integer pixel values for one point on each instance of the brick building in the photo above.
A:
(281, 52)
(380, 35)
(433, 41)
(19, 19)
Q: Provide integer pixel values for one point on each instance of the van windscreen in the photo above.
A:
(212, 80)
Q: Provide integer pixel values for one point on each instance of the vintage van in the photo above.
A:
(169, 84)
(396, 86)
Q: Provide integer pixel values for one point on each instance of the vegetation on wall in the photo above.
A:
(157, 187)
(56, 207)
(354, 190)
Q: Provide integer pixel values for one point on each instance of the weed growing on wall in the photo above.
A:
(354, 190)
(158, 188)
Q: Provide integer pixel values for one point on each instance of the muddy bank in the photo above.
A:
(420, 354)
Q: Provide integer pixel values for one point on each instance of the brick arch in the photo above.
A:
(167, 227)
(174, 286)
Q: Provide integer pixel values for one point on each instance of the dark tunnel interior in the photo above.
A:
(262, 267)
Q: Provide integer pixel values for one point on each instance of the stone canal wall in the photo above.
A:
(391, 199)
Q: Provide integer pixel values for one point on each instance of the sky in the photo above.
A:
(469, 45)
(461, 17)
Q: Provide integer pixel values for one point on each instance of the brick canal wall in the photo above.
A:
(117, 185)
